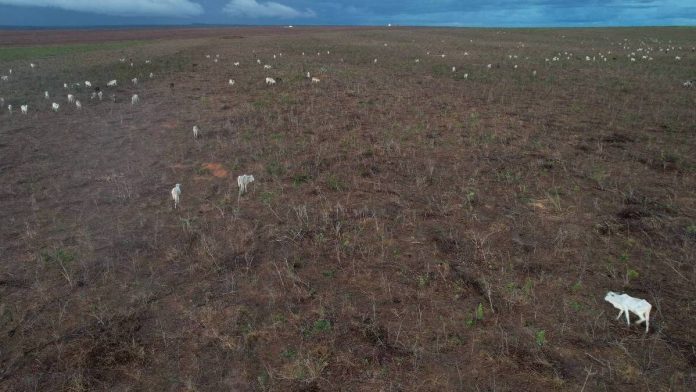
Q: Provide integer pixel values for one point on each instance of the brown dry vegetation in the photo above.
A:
(408, 229)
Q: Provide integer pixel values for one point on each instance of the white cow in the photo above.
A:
(112, 83)
(176, 194)
(71, 98)
(88, 83)
(626, 303)
(134, 80)
(315, 80)
(135, 99)
(25, 109)
(9, 108)
(243, 181)
(55, 107)
(196, 131)
(78, 105)
(270, 81)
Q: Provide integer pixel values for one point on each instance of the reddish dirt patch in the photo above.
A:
(169, 124)
(216, 169)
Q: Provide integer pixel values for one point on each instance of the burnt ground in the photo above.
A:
(408, 229)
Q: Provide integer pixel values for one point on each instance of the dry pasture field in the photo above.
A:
(411, 227)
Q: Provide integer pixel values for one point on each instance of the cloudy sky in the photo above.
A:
(346, 12)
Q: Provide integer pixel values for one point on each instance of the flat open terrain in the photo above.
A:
(411, 227)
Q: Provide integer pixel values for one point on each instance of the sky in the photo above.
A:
(471, 13)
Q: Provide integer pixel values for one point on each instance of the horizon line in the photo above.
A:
(233, 25)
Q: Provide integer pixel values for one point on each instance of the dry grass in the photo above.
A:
(408, 229)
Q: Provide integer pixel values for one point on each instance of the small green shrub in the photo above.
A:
(288, 353)
(275, 169)
(334, 183)
(691, 230)
(59, 256)
(320, 326)
(299, 179)
(479, 312)
(540, 337)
